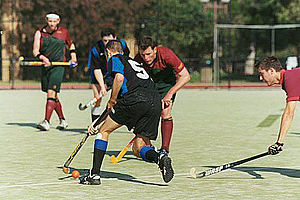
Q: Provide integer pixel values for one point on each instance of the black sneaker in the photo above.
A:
(90, 179)
(165, 166)
(163, 151)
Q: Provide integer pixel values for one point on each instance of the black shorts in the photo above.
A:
(141, 116)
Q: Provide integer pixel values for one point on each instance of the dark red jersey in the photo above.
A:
(165, 70)
(290, 81)
(53, 45)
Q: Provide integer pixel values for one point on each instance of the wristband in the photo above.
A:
(38, 56)
(72, 51)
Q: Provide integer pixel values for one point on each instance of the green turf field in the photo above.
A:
(211, 128)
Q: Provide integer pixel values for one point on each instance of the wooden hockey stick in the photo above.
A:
(66, 168)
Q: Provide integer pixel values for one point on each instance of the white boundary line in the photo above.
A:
(29, 184)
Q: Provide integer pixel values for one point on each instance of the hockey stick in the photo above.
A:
(117, 159)
(40, 63)
(91, 102)
(215, 170)
(66, 168)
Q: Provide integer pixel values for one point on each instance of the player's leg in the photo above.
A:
(45, 124)
(55, 83)
(146, 128)
(50, 106)
(95, 109)
(100, 147)
(62, 121)
(166, 129)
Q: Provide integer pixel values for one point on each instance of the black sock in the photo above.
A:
(94, 117)
(97, 161)
(100, 147)
(152, 156)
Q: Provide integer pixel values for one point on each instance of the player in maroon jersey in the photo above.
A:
(49, 45)
(169, 75)
(271, 72)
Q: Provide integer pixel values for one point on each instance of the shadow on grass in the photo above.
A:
(293, 173)
(254, 171)
(34, 125)
(111, 175)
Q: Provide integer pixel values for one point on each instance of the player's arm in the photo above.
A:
(73, 52)
(117, 84)
(183, 78)
(36, 49)
(286, 121)
(100, 79)
(72, 49)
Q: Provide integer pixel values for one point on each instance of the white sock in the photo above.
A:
(96, 110)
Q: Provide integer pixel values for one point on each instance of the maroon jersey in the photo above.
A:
(290, 81)
(165, 70)
(53, 45)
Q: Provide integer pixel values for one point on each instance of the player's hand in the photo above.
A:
(103, 92)
(46, 61)
(167, 101)
(73, 64)
(275, 148)
(110, 104)
(91, 130)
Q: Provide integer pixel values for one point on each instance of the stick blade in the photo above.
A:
(66, 170)
(113, 159)
(82, 107)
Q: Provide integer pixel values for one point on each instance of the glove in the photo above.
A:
(73, 64)
(275, 148)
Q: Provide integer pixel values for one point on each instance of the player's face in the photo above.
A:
(148, 55)
(268, 76)
(106, 39)
(52, 23)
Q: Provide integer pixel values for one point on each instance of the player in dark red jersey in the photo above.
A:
(135, 103)
(49, 45)
(169, 75)
(271, 72)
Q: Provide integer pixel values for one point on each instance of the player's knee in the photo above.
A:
(136, 151)
(167, 118)
(166, 114)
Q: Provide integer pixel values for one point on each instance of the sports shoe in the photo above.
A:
(165, 166)
(90, 179)
(44, 125)
(62, 124)
(163, 152)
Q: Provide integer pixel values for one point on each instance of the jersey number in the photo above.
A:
(140, 71)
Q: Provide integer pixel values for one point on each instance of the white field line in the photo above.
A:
(29, 184)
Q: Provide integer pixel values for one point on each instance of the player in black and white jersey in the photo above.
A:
(135, 103)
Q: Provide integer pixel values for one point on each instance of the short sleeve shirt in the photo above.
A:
(53, 45)
(290, 81)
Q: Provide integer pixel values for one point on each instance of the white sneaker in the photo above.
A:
(44, 125)
(62, 124)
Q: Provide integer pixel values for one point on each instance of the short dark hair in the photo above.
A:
(145, 42)
(115, 46)
(269, 62)
(108, 32)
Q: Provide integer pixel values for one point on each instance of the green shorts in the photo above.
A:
(163, 90)
(52, 78)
